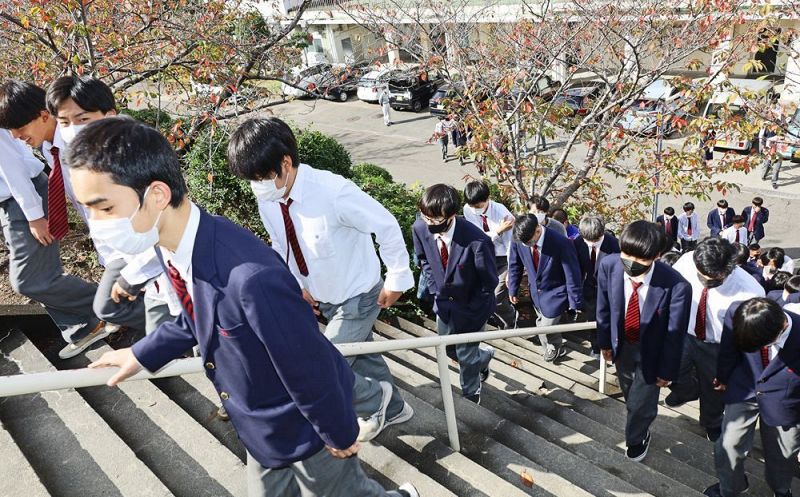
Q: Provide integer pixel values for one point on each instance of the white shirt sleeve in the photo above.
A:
(141, 267)
(355, 208)
(16, 164)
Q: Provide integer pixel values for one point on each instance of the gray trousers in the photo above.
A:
(695, 379)
(504, 308)
(771, 165)
(641, 398)
(780, 450)
(130, 313)
(549, 342)
(156, 312)
(387, 113)
(472, 359)
(350, 322)
(321, 475)
(35, 271)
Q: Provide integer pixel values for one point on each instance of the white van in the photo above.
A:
(730, 97)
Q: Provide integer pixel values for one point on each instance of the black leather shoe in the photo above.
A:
(713, 434)
(673, 400)
(638, 452)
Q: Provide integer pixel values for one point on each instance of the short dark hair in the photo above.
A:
(741, 254)
(688, 206)
(779, 280)
(758, 201)
(754, 246)
(670, 258)
(258, 147)
(439, 201)
(722, 203)
(90, 94)
(715, 257)
(20, 103)
(560, 215)
(541, 203)
(133, 153)
(669, 211)
(476, 192)
(524, 227)
(737, 219)
(757, 323)
(776, 255)
(792, 285)
(641, 239)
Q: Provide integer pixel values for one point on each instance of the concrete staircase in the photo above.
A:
(541, 430)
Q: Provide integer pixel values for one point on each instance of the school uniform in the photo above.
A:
(688, 231)
(323, 230)
(763, 385)
(734, 235)
(554, 279)
(756, 273)
(646, 340)
(590, 255)
(461, 274)
(704, 331)
(35, 271)
(781, 298)
(488, 221)
(286, 388)
(718, 221)
(670, 226)
(754, 222)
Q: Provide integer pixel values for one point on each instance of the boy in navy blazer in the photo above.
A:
(286, 388)
(458, 260)
(554, 277)
(720, 218)
(669, 223)
(642, 313)
(758, 360)
(755, 217)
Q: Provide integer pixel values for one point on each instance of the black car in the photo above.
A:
(340, 83)
(413, 90)
(576, 100)
(440, 100)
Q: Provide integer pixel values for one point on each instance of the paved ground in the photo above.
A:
(402, 149)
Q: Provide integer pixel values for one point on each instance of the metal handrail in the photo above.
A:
(29, 383)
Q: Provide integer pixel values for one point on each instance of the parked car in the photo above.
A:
(370, 84)
(305, 80)
(440, 99)
(546, 89)
(788, 143)
(730, 99)
(660, 97)
(340, 82)
(413, 90)
(576, 99)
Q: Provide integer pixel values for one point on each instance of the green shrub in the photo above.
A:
(156, 118)
(398, 199)
(320, 151)
(364, 170)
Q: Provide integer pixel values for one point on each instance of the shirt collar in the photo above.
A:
(540, 242)
(298, 187)
(645, 278)
(447, 236)
(183, 255)
(597, 244)
(785, 335)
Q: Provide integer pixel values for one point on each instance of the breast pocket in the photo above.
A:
(318, 238)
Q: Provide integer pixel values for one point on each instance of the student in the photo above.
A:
(670, 258)
(642, 312)
(742, 253)
(458, 259)
(34, 220)
(594, 245)
(759, 355)
(736, 232)
(774, 260)
(554, 277)
(717, 283)
(442, 134)
(540, 207)
(785, 289)
(755, 254)
(669, 223)
(560, 215)
(75, 102)
(494, 219)
(322, 224)
(287, 389)
(688, 228)
(386, 106)
(720, 218)
(755, 217)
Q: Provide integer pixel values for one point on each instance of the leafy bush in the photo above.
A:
(320, 151)
(156, 118)
(398, 199)
(364, 170)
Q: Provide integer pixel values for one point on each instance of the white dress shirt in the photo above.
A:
(788, 264)
(776, 347)
(595, 246)
(334, 221)
(644, 279)
(495, 214)
(737, 287)
(446, 238)
(734, 235)
(181, 259)
(17, 167)
(683, 227)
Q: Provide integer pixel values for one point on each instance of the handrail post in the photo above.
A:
(447, 397)
(603, 370)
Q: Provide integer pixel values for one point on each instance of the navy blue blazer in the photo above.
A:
(287, 389)
(777, 296)
(664, 317)
(557, 285)
(755, 272)
(463, 292)
(713, 220)
(609, 246)
(776, 388)
(674, 222)
(761, 219)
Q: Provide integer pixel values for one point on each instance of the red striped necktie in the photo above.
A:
(764, 357)
(633, 315)
(179, 285)
(485, 222)
(536, 257)
(291, 237)
(700, 321)
(444, 254)
(57, 222)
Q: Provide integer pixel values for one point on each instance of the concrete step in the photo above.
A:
(70, 446)
(16, 472)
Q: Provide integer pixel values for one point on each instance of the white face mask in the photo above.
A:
(267, 191)
(70, 132)
(540, 217)
(120, 235)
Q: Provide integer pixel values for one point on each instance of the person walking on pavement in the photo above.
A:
(441, 132)
(386, 107)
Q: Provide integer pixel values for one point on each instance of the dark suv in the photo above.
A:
(413, 90)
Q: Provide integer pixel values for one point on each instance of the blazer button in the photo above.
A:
(224, 396)
(759, 393)
(210, 365)
(450, 299)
